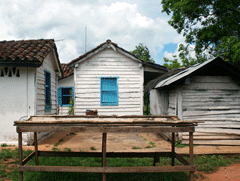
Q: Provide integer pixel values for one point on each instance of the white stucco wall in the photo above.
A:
(17, 95)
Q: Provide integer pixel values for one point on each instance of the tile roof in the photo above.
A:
(115, 46)
(67, 71)
(25, 53)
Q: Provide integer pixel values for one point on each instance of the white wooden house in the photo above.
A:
(209, 92)
(29, 70)
(65, 90)
(111, 80)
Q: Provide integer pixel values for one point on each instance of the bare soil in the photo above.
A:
(142, 141)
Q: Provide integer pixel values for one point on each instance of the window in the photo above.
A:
(48, 105)
(65, 95)
(109, 91)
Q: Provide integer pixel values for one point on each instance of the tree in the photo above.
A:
(184, 57)
(142, 52)
(211, 25)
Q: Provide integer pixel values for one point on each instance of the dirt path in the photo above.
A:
(230, 173)
(142, 141)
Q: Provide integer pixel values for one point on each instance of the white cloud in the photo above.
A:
(126, 23)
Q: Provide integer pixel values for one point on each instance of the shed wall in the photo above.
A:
(215, 100)
(109, 63)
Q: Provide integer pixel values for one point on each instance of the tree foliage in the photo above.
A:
(211, 25)
(142, 52)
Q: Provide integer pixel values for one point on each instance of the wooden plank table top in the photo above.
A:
(131, 120)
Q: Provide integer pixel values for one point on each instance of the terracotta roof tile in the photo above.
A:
(67, 71)
(25, 52)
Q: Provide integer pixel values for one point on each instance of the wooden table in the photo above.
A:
(104, 125)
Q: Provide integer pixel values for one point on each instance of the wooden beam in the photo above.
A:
(104, 155)
(29, 157)
(36, 147)
(107, 169)
(20, 154)
(191, 174)
(89, 129)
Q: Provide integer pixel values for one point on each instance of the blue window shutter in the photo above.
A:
(109, 91)
(59, 94)
(47, 91)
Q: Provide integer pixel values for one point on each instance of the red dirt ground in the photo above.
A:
(126, 142)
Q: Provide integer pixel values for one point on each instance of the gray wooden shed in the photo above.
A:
(209, 92)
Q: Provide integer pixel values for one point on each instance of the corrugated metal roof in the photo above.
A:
(181, 74)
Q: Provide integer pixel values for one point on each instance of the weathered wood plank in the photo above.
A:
(218, 130)
(107, 169)
(214, 142)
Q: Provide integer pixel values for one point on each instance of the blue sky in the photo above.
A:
(126, 23)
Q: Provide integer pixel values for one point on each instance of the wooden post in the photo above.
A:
(156, 159)
(20, 154)
(36, 147)
(173, 148)
(104, 154)
(191, 176)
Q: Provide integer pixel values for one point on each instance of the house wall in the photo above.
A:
(212, 99)
(17, 95)
(40, 89)
(66, 82)
(105, 64)
(40, 92)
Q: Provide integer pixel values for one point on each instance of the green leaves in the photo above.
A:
(207, 24)
(142, 52)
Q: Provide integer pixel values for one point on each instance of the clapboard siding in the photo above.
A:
(108, 63)
(40, 91)
(215, 100)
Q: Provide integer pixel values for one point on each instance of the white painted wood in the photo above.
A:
(48, 65)
(66, 82)
(107, 63)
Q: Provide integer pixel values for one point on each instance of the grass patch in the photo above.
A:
(135, 147)
(4, 145)
(55, 149)
(72, 133)
(152, 145)
(93, 148)
(179, 145)
(59, 141)
(67, 149)
(9, 162)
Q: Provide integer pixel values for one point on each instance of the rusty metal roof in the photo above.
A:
(26, 53)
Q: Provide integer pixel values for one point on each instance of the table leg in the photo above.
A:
(104, 150)
(36, 147)
(20, 154)
(191, 176)
(173, 148)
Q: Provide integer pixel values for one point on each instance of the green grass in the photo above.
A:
(67, 149)
(93, 148)
(59, 141)
(9, 161)
(4, 145)
(152, 145)
(135, 147)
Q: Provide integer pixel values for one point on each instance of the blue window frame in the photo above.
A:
(109, 91)
(48, 105)
(65, 95)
